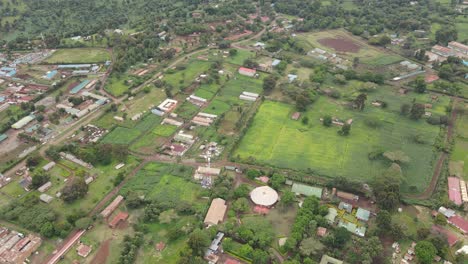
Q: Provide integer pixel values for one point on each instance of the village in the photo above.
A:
(234, 138)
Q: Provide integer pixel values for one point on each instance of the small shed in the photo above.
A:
(362, 214)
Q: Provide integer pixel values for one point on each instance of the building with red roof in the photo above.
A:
(452, 239)
(454, 190)
(431, 78)
(121, 216)
(247, 71)
(459, 222)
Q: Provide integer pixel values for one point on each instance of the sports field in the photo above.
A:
(347, 46)
(275, 139)
(79, 55)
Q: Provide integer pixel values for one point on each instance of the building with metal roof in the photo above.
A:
(306, 190)
(216, 212)
(362, 214)
(264, 196)
(23, 121)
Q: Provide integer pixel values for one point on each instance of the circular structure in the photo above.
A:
(264, 196)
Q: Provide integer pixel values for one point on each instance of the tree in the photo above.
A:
(386, 188)
(425, 252)
(39, 178)
(277, 180)
(198, 241)
(232, 52)
(76, 188)
(445, 35)
(384, 220)
(269, 83)
(405, 109)
(360, 101)
(311, 246)
(260, 257)
(83, 223)
(327, 121)
(287, 198)
(345, 129)
(417, 111)
(241, 205)
(419, 84)
(242, 191)
(397, 156)
(440, 219)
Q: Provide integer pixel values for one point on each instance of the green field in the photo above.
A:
(460, 152)
(277, 140)
(121, 135)
(183, 78)
(79, 55)
(116, 85)
(165, 130)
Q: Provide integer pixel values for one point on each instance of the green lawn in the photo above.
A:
(240, 57)
(79, 55)
(121, 135)
(275, 139)
(165, 130)
(116, 85)
(183, 78)
(460, 150)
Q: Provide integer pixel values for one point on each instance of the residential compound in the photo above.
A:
(453, 49)
(15, 247)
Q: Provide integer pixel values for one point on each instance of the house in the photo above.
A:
(260, 45)
(292, 78)
(160, 246)
(112, 206)
(446, 212)
(216, 212)
(275, 62)
(46, 198)
(247, 72)
(454, 192)
(347, 196)
(211, 254)
(202, 172)
(48, 166)
(459, 222)
(167, 105)
(331, 216)
(306, 190)
(362, 214)
(296, 116)
(442, 51)
(329, 260)
(45, 187)
(23, 122)
(121, 216)
(458, 47)
(83, 250)
(452, 239)
(345, 206)
(321, 231)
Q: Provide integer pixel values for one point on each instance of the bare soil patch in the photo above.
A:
(102, 253)
(340, 44)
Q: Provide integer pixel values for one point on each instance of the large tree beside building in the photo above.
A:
(76, 188)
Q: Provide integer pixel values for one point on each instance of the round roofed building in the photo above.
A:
(264, 196)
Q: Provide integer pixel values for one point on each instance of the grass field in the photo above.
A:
(121, 135)
(367, 53)
(79, 55)
(275, 139)
(461, 24)
(165, 130)
(460, 150)
(183, 78)
(240, 57)
(116, 85)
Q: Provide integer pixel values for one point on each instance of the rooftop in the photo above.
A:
(306, 190)
(264, 196)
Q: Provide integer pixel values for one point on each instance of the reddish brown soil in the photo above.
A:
(340, 44)
(102, 253)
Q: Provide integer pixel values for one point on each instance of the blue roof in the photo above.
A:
(80, 86)
(12, 73)
(275, 62)
(71, 66)
(157, 112)
(3, 137)
(465, 63)
(7, 69)
(2, 98)
(51, 74)
(100, 102)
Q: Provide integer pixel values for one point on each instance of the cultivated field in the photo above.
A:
(275, 139)
(459, 153)
(79, 55)
(348, 46)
